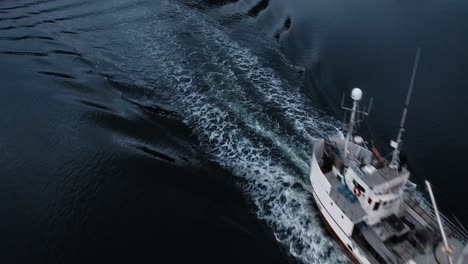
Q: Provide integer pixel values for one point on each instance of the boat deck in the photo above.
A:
(345, 199)
(377, 244)
(409, 234)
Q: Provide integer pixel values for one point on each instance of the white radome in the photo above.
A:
(358, 140)
(356, 94)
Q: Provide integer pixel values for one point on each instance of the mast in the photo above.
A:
(356, 95)
(396, 144)
(447, 250)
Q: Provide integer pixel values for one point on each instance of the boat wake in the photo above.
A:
(247, 118)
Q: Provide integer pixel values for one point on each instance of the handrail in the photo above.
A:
(455, 230)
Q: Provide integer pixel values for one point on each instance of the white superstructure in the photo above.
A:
(365, 202)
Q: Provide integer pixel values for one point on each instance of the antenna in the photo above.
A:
(365, 111)
(369, 108)
(343, 107)
(396, 144)
(342, 100)
(356, 95)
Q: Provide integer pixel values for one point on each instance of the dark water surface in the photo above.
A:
(174, 131)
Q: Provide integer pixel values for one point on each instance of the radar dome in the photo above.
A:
(358, 140)
(356, 94)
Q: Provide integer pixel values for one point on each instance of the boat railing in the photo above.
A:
(456, 230)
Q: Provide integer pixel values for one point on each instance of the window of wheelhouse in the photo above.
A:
(357, 185)
(376, 206)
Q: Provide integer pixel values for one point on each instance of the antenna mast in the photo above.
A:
(396, 144)
(356, 95)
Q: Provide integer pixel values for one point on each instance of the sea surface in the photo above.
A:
(171, 131)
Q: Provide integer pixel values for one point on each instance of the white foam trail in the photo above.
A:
(213, 82)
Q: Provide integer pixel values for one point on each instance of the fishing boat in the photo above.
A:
(370, 205)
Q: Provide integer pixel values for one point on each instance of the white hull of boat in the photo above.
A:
(336, 221)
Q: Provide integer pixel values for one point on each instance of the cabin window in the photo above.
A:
(369, 201)
(350, 248)
(357, 185)
(339, 178)
(385, 203)
(376, 206)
